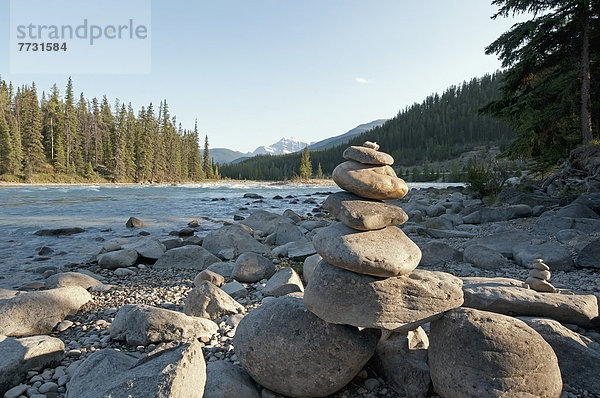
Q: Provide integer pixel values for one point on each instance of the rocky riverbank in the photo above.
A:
(123, 298)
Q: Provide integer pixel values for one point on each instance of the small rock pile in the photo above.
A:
(539, 277)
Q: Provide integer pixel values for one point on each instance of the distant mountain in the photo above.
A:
(281, 147)
(343, 138)
(224, 155)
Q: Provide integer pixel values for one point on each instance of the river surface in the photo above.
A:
(102, 211)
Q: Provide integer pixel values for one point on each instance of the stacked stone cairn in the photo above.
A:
(366, 299)
(539, 277)
(367, 277)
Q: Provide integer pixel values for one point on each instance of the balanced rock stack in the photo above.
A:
(367, 277)
(539, 277)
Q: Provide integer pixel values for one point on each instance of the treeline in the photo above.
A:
(63, 139)
(440, 128)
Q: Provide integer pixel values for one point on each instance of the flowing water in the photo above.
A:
(102, 211)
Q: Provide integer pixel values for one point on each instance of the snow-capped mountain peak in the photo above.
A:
(281, 147)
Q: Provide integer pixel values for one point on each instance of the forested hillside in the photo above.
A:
(440, 128)
(64, 139)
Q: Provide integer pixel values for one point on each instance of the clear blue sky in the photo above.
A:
(253, 71)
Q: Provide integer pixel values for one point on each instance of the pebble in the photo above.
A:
(16, 391)
(48, 387)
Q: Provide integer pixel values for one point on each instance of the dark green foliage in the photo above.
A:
(440, 128)
(551, 89)
(86, 141)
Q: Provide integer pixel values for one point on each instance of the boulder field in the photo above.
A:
(389, 293)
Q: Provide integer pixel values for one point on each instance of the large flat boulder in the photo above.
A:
(149, 248)
(589, 257)
(38, 312)
(384, 252)
(289, 350)
(399, 303)
(556, 256)
(230, 241)
(363, 214)
(20, 355)
(172, 372)
(578, 356)
(186, 257)
(483, 354)
(503, 242)
(508, 296)
(366, 155)
(140, 324)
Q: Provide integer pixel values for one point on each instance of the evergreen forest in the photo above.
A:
(67, 139)
(441, 127)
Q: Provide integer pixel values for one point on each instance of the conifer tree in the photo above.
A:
(549, 90)
(34, 159)
(206, 160)
(305, 165)
(52, 124)
(5, 145)
(120, 168)
(319, 171)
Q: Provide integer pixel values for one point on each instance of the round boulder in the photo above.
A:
(371, 182)
(475, 353)
(289, 350)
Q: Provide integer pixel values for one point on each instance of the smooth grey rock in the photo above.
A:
(287, 349)
(362, 214)
(224, 268)
(124, 272)
(235, 289)
(438, 253)
(186, 257)
(485, 258)
(38, 312)
(20, 355)
(385, 252)
(482, 354)
(300, 250)
(577, 210)
(309, 266)
(589, 257)
(556, 256)
(59, 231)
(149, 248)
(503, 242)
(289, 213)
(208, 301)
(285, 233)
(64, 279)
(508, 296)
(140, 324)
(226, 380)
(117, 259)
(365, 155)
(284, 281)
(578, 356)
(207, 275)
(399, 303)
(371, 182)
(401, 359)
(435, 210)
(172, 372)
(230, 241)
(16, 391)
(262, 220)
(252, 267)
(442, 234)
